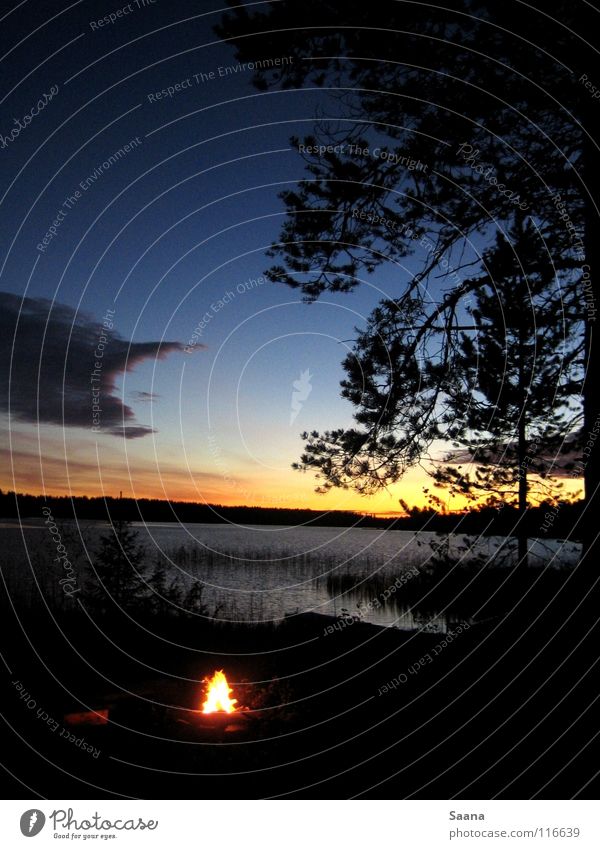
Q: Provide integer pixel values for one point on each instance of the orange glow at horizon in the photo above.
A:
(44, 469)
(381, 505)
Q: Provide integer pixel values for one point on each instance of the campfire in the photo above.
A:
(218, 698)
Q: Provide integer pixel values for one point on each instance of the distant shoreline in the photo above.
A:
(487, 521)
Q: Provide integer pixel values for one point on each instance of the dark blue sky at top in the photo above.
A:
(229, 155)
(224, 153)
(177, 223)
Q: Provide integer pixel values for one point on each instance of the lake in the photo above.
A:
(263, 573)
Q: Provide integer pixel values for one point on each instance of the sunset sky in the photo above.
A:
(170, 237)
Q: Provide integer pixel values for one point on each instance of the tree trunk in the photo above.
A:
(522, 450)
(591, 300)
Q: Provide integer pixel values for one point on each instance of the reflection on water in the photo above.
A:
(265, 573)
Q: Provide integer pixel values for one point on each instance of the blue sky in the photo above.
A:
(180, 220)
(176, 223)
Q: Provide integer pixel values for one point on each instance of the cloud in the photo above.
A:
(77, 470)
(559, 463)
(144, 396)
(48, 354)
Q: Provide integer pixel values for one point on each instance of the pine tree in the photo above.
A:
(416, 80)
(509, 398)
(497, 382)
(119, 572)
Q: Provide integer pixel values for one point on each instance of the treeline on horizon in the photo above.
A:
(557, 522)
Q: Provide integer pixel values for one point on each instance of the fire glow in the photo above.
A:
(218, 699)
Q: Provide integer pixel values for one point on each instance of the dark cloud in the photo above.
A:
(144, 396)
(48, 356)
(560, 463)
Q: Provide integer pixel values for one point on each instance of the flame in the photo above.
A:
(217, 695)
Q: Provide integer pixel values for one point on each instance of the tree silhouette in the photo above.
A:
(499, 388)
(119, 571)
(512, 383)
(490, 99)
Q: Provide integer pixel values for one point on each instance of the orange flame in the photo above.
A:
(217, 695)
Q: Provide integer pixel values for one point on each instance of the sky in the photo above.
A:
(143, 349)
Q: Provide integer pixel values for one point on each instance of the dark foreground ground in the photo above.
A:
(506, 709)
